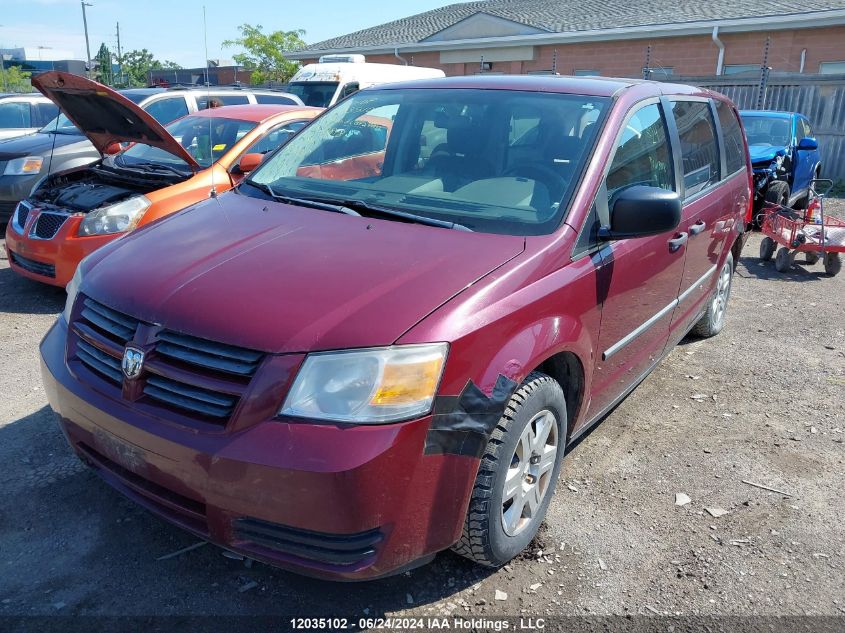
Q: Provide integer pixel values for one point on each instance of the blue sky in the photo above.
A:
(172, 29)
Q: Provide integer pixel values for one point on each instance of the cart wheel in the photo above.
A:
(783, 261)
(812, 258)
(767, 249)
(832, 263)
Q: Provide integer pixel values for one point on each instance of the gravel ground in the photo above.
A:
(762, 402)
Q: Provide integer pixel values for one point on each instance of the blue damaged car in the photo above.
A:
(785, 156)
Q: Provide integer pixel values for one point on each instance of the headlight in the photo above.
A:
(367, 386)
(72, 290)
(115, 218)
(24, 166)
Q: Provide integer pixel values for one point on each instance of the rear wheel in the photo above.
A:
(832, 263)
(517, 474)
(811, 258)
(783, 260)
(767, 249)
(714, 319)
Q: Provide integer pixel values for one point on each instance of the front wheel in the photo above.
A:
(832, 264)
(517, 474)
(783, 260)
(714, 319)
(767, 249)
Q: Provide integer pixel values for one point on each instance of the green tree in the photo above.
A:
(104, 71)
(264, 54)
(136, 66)
(13, 79)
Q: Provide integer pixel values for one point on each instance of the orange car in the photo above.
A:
(74, 212)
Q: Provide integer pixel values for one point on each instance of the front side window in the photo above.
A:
(166, 110)
(643, 156)
(699, 150)
(489, 160)
(279, 99)
(732, 136)
(276, 137)
(43, 112)
(14, 115)
(206, 139)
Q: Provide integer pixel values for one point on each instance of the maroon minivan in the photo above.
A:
(380, 344)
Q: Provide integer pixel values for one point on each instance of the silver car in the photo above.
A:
(58, 145)
(24, 113)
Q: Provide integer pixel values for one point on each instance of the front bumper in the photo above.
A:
(51, 261)
(345, 503)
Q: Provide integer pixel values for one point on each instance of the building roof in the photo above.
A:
(568, 16)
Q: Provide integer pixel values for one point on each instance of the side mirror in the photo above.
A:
(112, 149)
(808, 143)
(640, 211)
(248, 162)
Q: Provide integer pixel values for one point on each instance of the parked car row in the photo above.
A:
(379, 343)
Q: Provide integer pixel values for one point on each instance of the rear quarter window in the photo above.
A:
(732, 136)
(699, 150)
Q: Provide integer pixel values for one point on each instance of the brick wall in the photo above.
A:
(690, 55)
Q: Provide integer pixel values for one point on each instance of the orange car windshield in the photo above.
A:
(206, 139)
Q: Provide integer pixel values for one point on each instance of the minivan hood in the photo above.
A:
(280, 278)
(106, 116)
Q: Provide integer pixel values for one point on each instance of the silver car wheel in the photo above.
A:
(530, 472)
(723, 291)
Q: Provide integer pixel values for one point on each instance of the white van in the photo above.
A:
(337, 76)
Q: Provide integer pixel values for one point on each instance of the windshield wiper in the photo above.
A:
(302, 202)
(151, 167)
(363, 205)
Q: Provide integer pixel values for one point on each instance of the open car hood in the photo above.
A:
(105, 116)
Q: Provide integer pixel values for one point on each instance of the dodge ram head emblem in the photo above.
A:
(133, 362)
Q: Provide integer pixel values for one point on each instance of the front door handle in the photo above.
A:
(698, 227)
(676, 242)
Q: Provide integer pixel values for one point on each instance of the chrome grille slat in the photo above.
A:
(121, 332)
(206, 360)
(99, 361)
(187, 403)
(114, 315)
(182, 389)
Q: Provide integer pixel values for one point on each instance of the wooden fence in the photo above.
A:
(821, 98)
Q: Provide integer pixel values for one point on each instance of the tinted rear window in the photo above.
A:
(699, 149)
(732, 135)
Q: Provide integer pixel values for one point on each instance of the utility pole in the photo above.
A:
(87, 46)
(119, 57)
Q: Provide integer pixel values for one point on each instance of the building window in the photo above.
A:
(658, 73)
(587, 73)
(735, 69)
(832, 68)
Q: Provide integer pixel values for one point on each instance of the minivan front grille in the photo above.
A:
(47, 225)
(113, 323)
(190, 398)
(99, 361)
(191, 376)
(208, 354)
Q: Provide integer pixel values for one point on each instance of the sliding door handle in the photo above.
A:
(676, 242)
(698, 227)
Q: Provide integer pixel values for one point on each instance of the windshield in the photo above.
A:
(205, 138)
(314, 93)
(60, 125)
(490, 160)
(762, 130)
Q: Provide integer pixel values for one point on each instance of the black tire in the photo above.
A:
(832, 264)
(767, 249)
(778, 192)
(484, 539)
(811, 258)
(713, 320)
(783, 260)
